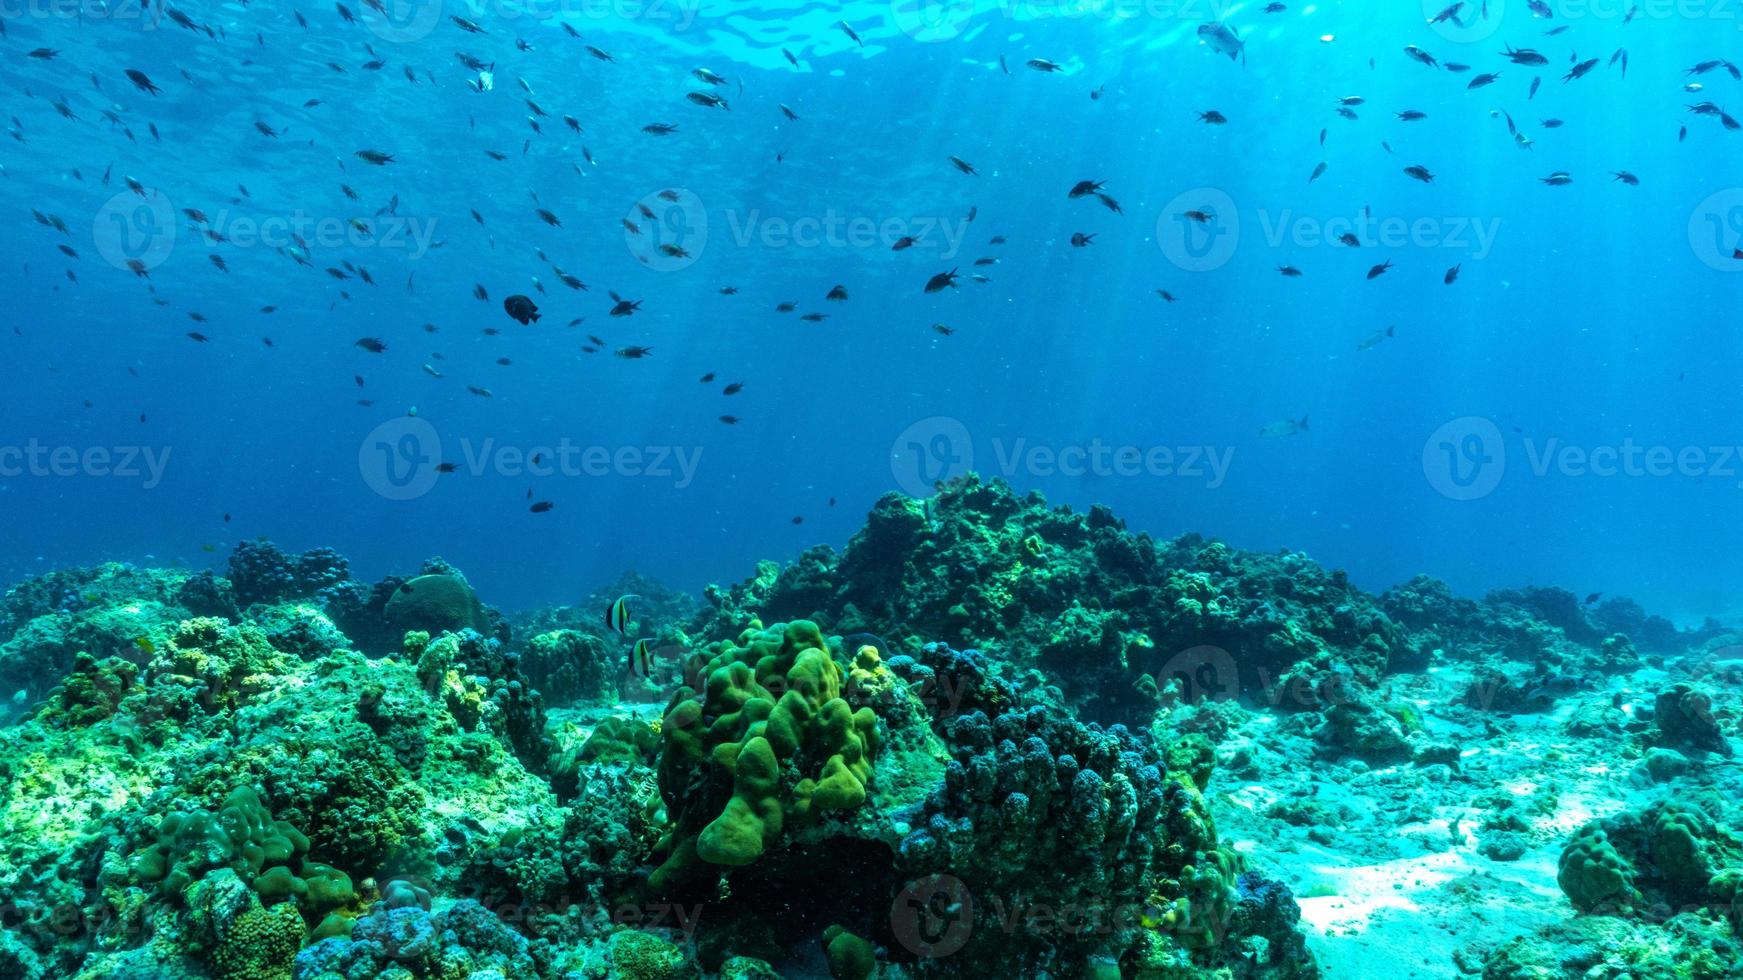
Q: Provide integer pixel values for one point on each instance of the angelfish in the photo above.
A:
(617, 617)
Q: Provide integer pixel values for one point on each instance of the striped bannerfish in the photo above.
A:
(643, 654)
(617, 617)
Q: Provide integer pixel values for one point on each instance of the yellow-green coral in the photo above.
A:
(850, 957)
(770, 701)
(224, 663)
(1199, 913)
(260, 945)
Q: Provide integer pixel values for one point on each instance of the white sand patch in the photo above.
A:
(1364, 890)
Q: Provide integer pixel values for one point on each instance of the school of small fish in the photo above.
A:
(108, 99)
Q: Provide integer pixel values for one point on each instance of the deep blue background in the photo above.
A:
(1595, 318)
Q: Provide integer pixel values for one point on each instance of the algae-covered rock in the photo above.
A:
(1685, 719)
(569, 666)
(1094, 605)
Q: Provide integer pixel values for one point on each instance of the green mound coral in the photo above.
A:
(242, 835)
(1673, 854)
(771, 704)
(1592, 874)
(850, 957)
(618, 739)
(640, 956)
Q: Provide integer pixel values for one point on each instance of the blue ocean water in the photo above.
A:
(1587, 325)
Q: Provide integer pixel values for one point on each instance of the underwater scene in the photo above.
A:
(901, 489)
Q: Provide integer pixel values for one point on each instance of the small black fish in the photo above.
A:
(521, 309)
(372, 345)
(541, 507)
(942, 281)
(142, 82)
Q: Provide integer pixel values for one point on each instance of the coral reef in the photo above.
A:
(988, 738)
(1120, 621)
